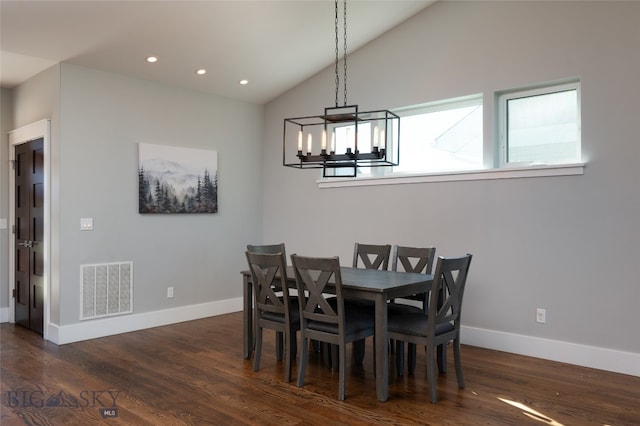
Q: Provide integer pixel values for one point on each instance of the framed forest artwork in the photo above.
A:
(177, 180)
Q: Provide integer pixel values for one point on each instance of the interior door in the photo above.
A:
(29, 235)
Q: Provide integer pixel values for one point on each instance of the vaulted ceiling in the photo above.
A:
(275, 45)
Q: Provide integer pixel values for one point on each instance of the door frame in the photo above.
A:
(37, 130)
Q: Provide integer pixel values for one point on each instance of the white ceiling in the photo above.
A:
(273, 44)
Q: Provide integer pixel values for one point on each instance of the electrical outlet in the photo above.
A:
(541, 315)
(169, 292)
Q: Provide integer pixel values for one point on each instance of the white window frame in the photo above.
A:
(495, 168)
(431, 107)
(505, 97)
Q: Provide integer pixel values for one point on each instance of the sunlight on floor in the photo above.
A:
(530, 412)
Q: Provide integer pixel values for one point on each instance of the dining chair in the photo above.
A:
(278, 312)
(417, 260)
(325, 318)
(269, 249)
(371, 256)
(442, 322)
(272, 249)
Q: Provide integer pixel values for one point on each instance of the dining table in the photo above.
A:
(378, 286)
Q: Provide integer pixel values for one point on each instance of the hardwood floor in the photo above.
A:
(193, 373)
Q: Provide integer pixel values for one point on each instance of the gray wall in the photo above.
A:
(105, 117)
(566, 244)
(6, 119)
(102, 119)
(35, 100)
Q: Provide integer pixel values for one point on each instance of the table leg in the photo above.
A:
(247, 329)
(381, 352)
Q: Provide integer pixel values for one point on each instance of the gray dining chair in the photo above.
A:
(272, 249)
(325, 318)
(275, 310)
(269, 249)
(368, 256)
(418, 260)
(371, 256)
(442, 322)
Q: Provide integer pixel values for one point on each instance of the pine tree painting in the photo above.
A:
(177, 180)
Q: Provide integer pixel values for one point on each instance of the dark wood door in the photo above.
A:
(29, 235)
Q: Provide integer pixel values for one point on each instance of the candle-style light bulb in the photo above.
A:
(333, 141)
(299, 140)
(309, 144)
(376, 136)
(383, 141)
(324, 140)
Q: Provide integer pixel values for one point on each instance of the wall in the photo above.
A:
(566, 244)
(103, 117)
(33, 101)
(6, 118)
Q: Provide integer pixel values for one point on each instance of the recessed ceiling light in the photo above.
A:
(201, 71)
(152, 59)
(244, 82)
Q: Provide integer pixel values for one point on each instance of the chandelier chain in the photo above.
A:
(344, 31)
(345, 52)
(337, 54)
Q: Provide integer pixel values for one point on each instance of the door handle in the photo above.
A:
(27, 244)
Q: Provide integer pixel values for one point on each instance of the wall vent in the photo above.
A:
(106, 290)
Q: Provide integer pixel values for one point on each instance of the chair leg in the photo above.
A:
(411, 358)
(358, 351)
(458, 362)
(325, 349)
(399, 357)
(294, 344)
(342, 368)
(431, 373)
(336, 362)
(288, 355)
(258, 349)
(442, 358)
(303, 361)
(374, 356)
(279, 344)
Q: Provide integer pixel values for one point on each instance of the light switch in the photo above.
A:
(86, 224)
(3, 223)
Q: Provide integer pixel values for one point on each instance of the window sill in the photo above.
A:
(486, 174)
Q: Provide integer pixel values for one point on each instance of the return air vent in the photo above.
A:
(106, 290)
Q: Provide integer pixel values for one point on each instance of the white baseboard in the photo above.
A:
(555, 350)
(109, 326)
(4, 314)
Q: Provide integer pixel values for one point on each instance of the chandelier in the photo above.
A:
(343, 138)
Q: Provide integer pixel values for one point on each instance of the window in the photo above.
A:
(537, 133)
(446, 136)
(540, 126)
(442, 136)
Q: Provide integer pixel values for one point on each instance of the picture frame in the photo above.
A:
(175, 180)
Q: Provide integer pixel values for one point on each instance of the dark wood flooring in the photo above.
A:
(193, 373)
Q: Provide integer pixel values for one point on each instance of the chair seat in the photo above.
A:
(400, 308)
(412, 323)
(294, 313)
(357, 318)
(355, 322)
(359, 305)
